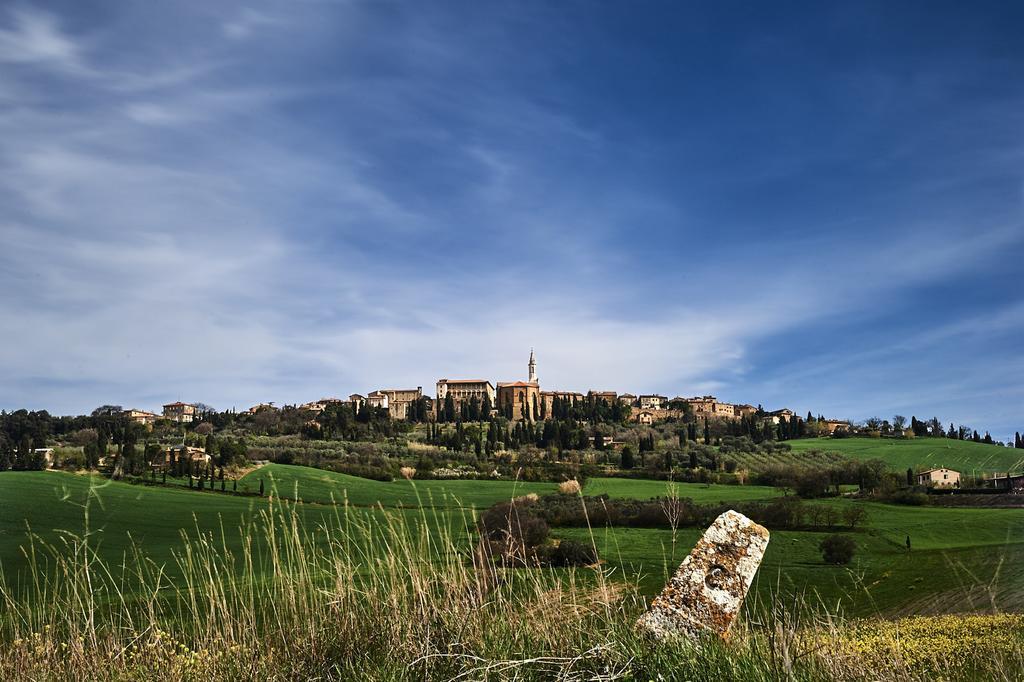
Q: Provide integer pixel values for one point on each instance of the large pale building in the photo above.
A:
(547, 400)
(710, 407)
(520, 400)
(776, 416)
(834, 425)
(652, 402)
(319, 406)
(377, 400)
(940, 478)
(180, 412)
(608, 396)
(463, 391)
(400, 400)
(141, 416)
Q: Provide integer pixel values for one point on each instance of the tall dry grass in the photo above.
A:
(386, 596)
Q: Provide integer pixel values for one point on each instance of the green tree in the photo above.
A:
(627, 460)
(22, 456)
(6, 453)
(837, 549)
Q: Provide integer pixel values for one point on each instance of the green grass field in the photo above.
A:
(966, 457)
(641, 489)
(962, 559)
(327, 487)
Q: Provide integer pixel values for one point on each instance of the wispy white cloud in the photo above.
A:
(247, 22)
(35, 37)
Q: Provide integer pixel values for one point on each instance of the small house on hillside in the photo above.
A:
(939, 478)
(45, 455)
(178, 453)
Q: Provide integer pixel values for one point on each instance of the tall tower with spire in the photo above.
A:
(533, 368)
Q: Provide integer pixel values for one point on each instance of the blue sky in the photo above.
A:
(793, 205)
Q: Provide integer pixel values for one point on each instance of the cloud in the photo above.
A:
(248, 22)
(35, 38)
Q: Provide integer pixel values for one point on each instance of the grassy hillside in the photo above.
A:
(958, 554)
(289, 599)
(961, 560)
(921, 453)
(317, 485)
(642, 489)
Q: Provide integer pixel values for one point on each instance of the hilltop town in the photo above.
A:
(516, 401)
(474, 428)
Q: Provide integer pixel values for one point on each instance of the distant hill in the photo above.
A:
(921, 453)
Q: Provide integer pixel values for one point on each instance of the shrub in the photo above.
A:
(909, 497)
(837, 549)
(407, 473)
(515, 524)
(571, 553)
(374, 473)
(569, 487)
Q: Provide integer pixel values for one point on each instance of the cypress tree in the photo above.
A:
(261, 487)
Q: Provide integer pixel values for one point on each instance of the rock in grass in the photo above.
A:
(705, 594)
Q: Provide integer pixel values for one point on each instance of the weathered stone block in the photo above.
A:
(706, 593)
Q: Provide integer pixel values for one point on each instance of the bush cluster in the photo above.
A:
(782, 513)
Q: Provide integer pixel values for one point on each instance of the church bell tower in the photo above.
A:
(533, 368)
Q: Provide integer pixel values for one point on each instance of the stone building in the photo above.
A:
(319, 406)
(653, 402)
(834, 425)
(180, 412)
(400, 400)
(710, 407)
(177, 453)
(745, 410)
(141, 417)
(376, 399)
(627, 399)
(463, 390)
(939, 478)
(776, 416)
(608, 396)
(547, 400)
(520, 400)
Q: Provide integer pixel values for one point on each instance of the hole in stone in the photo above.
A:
(716, 577)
